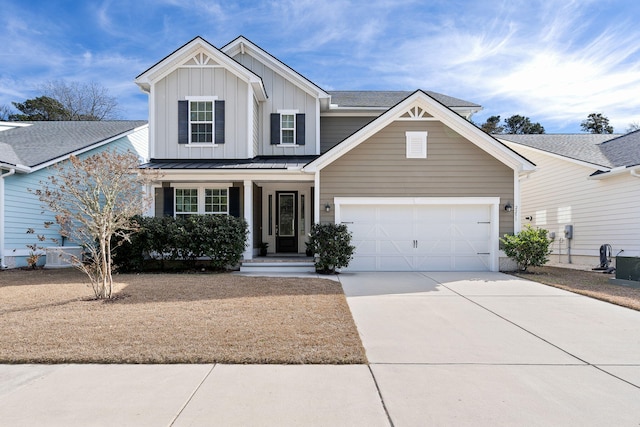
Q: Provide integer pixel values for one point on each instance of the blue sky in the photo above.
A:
(553, 61)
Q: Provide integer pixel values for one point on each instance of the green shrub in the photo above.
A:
(218, 239)
(530, 247)
(331, 244)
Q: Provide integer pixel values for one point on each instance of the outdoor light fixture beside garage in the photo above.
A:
(508, 207)
(327, 207)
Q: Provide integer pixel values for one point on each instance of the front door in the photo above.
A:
(286, 224)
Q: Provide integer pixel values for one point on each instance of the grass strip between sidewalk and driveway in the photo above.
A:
(593, 284)
(49, 316)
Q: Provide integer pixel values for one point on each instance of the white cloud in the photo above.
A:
(554, 61)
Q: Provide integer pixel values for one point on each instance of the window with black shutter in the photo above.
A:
(201, 121)
(287, 128)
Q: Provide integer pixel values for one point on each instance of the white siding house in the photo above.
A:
(589, 182)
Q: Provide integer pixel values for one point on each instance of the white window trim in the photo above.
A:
(411, 143)
(201, 197)
(211, 99)
(289, 113)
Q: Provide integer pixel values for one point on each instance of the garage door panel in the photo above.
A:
(473, 230)
(394, 231)
(366, 247)
(395, 247)
(419, 237)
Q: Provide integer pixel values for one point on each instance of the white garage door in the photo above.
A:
(419, 237)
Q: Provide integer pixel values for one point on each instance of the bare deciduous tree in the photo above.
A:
(633, 126)
(82, 101)
(94, 200)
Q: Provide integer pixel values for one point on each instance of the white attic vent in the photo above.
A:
(416, 145)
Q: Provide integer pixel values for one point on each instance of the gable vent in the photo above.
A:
(415, 113)
(416, 145)
(199, 60)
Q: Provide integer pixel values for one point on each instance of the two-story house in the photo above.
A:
(236, 131)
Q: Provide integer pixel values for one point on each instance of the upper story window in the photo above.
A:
(287, 128)
(201, 121)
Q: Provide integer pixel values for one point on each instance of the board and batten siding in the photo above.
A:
(256, 127)
(23, 209)
(603, 211)
(201, 81)
(282, 95)
(335, 129)
(454, 167)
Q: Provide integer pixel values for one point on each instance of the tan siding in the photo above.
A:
(454, 167)
(185, 82)
(335, 129)
(602, 211)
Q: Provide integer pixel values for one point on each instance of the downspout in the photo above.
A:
(2, 177)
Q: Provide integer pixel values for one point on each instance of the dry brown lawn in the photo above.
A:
(590, 283)
(49, 316)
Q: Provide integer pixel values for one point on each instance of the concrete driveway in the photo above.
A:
(491, 349)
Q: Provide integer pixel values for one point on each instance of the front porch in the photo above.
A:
(272, 194)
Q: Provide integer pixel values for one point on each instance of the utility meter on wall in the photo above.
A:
(568, 231)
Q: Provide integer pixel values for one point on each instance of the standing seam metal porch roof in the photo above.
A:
(256, 163)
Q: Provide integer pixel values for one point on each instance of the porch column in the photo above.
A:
(248, 216)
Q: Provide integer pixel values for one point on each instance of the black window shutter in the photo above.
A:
(219, 122)
(275, 128)
(167, 205)
(183, 122)
(234, 201)
(300, 129)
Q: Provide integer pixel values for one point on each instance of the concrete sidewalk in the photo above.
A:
(188, 395)
(481, 349)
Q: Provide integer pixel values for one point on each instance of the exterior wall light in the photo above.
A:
(508, 207)
(327, 207)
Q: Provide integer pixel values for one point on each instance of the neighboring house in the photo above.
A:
(236, 131)
(591, 182)
(26, 151)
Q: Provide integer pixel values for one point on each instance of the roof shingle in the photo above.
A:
(45, 141)
(388, 98)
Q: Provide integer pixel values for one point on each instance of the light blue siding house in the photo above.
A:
(27, 149)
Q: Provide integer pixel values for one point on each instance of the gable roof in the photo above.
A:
(601, 150)
(28, 147)
(624, 150)
(388, 98)
(420, 100)
(243, 45)
(185, 53)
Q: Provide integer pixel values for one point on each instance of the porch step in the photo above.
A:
(262, 265)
